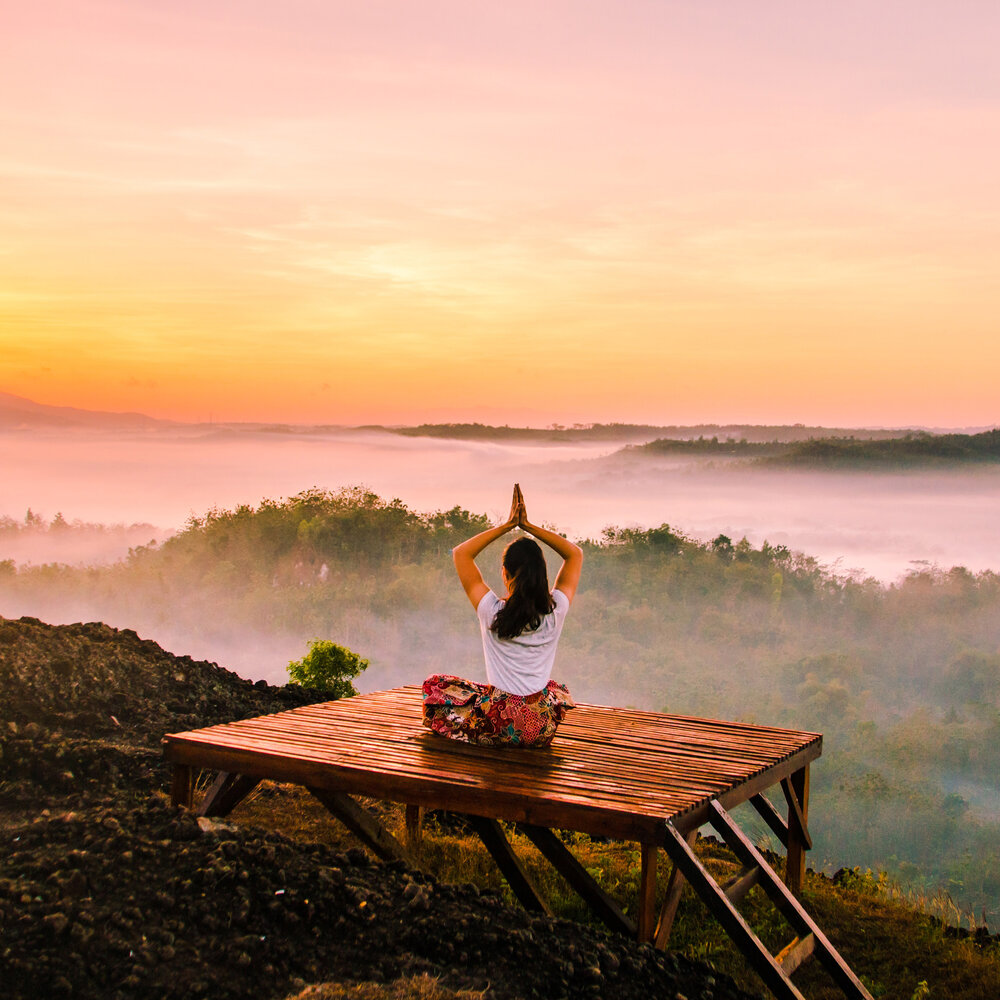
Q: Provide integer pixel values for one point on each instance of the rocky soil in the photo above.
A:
(107, 891)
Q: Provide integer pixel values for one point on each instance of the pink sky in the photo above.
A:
(346, 212)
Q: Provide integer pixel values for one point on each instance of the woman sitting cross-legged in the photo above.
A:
(521, 705)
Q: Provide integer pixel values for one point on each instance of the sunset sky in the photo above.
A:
(343, 212)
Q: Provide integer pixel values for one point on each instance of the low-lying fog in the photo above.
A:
(881, 524)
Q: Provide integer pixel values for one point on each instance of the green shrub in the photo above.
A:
(328, 667)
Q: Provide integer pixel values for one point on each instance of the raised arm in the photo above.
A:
(568, 577)
(464, 555)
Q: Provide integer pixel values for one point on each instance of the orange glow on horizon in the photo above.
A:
(659, 214)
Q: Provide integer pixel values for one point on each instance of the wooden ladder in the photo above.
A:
(775, 970)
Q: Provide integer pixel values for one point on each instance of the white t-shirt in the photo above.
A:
(522, 665)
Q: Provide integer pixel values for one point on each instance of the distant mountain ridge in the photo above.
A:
(19, 412)
(642, 433)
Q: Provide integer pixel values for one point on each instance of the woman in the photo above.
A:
(521, 705)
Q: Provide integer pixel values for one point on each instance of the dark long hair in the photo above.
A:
(529, 599)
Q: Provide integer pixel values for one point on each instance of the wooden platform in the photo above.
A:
(630, 775)
(609, 771)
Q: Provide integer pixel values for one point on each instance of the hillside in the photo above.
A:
(105, 889)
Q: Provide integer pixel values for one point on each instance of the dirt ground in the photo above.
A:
(107, 891)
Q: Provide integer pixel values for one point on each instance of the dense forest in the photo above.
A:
(902, 680)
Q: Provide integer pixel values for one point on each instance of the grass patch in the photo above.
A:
(410, 988)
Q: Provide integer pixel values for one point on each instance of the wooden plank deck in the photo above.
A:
(631, 775)
(608, 772)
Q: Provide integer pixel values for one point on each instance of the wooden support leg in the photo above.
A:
(646, 929)
(675, 887)
(810, 937)
(492, 836)
(772, 817)
(414, 830)
(226, 793)
(362, 824)
(559, 856)
(182, 786)
(742, 935)
(796, 790)
(796, 952)
(738, 886)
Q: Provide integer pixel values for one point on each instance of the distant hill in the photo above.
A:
(911, 450)
(16, 412)
(903, 450)
(747, 433)
(713, 446)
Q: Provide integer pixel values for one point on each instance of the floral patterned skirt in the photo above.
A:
(483, 714)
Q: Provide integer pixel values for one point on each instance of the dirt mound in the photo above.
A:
(108, 891)
(40, 768)
(153, 902)
(94, 679)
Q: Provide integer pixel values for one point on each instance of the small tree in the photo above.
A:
(328, 667)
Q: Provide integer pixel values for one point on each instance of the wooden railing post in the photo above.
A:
(798, 837)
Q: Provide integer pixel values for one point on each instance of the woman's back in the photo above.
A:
(523, 664)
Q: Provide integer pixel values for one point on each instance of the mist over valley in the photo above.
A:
(124, 469)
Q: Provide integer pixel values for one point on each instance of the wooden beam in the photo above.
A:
(751, 947)
(736, 888)
(227, 792)
(772, 817)
(782, 897)
(492, 836)
(431, 791)
(646, 929)
(603, 906)
(182, 786)
(796, 952)
(760, 782)
(363, 825)
(796, 789)
(796, 812)
(668, 911)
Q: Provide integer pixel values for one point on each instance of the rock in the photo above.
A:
(56, 922)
